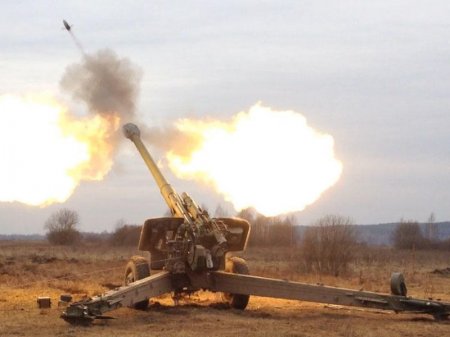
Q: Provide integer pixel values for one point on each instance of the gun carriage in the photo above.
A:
(192, 251)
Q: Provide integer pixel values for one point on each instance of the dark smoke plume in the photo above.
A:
(106, 83)
(109, 85)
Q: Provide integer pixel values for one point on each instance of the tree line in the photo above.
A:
(408, 234)
(328, 246)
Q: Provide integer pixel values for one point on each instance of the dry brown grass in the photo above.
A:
(371, 270)
(29, 270)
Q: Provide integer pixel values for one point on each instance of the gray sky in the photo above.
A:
(373, 74)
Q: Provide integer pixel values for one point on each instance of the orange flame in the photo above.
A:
(270, 160)
(46, 152)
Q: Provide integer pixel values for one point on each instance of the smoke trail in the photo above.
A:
(107, 84)
(77, 43)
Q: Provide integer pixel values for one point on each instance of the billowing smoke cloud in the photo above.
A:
(65, 148)
(107, 84)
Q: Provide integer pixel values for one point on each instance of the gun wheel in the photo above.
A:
(398, 286)
(137, 268)
(238, 266)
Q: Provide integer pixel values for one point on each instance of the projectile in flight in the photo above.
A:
(66, 25)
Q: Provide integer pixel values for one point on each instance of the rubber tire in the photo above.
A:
(398, 286)
(137, 269)
(238, 266)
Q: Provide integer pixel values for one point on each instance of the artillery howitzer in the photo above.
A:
(190, 250)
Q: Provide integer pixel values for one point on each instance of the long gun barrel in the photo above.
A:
(171, 197)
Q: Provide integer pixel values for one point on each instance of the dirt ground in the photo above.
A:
(31, 270)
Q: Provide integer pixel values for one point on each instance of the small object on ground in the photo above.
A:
(65, 298)
(444, 271)
(44, 302)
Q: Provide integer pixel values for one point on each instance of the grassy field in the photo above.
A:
(29, 270)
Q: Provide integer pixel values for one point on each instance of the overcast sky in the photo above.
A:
(373, 74)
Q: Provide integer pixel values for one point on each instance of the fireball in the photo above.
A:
(46, 152)
(270, 160)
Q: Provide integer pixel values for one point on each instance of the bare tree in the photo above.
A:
(125, 235)
(431, 228)
(61, 227)
(408, 235)
(281, 232)
(269, 231)
(329, 245)
(248, 214)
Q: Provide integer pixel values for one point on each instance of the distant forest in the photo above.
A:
(377, 235)
(381, 234)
